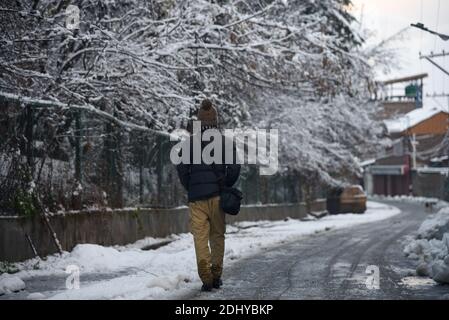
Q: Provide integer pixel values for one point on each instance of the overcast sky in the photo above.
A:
(386, 17)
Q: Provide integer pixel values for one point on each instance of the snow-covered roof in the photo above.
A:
(412, 118)
(442, 170)
(439, 159)
(367, 162)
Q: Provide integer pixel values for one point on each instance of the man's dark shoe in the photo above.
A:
(217, 283)
(206, 287)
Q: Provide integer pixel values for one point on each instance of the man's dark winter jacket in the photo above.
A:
(200, 180)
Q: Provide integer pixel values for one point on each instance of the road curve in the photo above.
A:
(333, 264)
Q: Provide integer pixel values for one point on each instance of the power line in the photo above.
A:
(432, 55)
(422, 9)
(437, 25)
(438, 95)
(420, 36)
(429, 58)
(436, 55)
(444, 64)
(435, 40)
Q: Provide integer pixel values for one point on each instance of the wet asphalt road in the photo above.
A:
(332, 265)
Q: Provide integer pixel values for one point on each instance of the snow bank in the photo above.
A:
(10, 283)
(92, 257)
(431, 247)
(435, 227)
(35, 296)
(170, 271)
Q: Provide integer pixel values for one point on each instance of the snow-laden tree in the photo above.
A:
(324, 116)
(149, 60)
(144, 65)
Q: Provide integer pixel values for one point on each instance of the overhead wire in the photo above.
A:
(437, 24)
(435, 44)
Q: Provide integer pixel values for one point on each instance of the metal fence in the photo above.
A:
(71, 160)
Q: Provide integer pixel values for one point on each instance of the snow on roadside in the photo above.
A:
(403, 198)
(35, 296)
(431, 247)
(10, 283)
(170, 271)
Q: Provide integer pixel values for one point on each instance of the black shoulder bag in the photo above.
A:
(230, 198)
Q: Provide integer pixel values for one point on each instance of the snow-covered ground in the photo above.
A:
(10, 283)
(170, 271)
(431, 247)
(437, 203)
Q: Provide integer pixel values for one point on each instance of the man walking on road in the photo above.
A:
(207, 220)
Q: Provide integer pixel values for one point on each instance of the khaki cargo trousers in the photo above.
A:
(207, 224)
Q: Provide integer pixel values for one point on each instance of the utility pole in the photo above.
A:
(431, 56)
(414, 143)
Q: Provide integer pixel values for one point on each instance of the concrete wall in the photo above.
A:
(117, 227)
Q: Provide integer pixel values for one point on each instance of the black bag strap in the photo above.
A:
(220, 177)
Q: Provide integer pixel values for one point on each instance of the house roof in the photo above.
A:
(405, 79)
(442, 171)
(368, 162)
(439, 159)
(411, 119)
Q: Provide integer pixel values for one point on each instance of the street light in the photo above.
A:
(421, 26)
